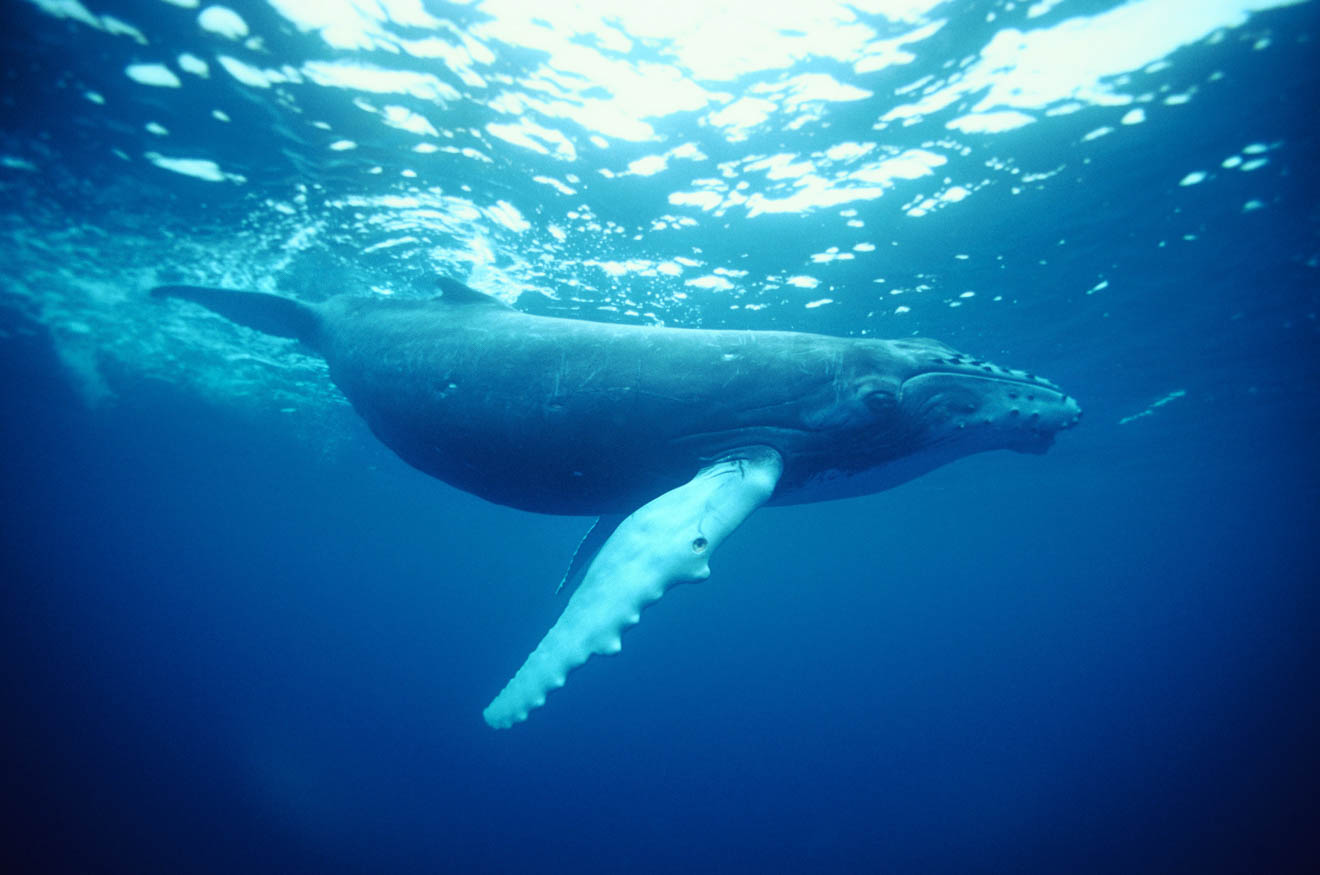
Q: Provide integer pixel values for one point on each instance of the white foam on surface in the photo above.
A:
(190, 63)
(506, 214)
(157, 75)
(710, 281)
(247, 74)
(405, 119)
(555, 184)
(223, 21)
(991, 122)
(198, 168)
(117, 27)
(537, 138)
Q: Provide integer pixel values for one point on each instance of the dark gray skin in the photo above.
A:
(567, 416)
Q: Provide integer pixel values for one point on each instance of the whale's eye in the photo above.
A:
(699, 545)
(881, 402)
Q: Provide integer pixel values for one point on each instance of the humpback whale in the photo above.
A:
(670, 436)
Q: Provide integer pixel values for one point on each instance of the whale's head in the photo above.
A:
(900, 408)
(937, 397)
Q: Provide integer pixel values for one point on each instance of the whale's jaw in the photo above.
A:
(983, 411)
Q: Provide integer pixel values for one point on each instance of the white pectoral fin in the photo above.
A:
(666, 541)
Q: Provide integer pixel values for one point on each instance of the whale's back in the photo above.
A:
(564, 415)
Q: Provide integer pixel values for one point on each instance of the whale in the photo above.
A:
(670, 437)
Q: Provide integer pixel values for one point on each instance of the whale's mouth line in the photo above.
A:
(1010, 378)
(1027, 384)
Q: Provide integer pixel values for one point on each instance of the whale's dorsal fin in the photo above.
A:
(454, 292)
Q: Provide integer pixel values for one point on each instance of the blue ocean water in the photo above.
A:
(241, 635)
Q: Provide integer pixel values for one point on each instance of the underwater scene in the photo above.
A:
(370, 368)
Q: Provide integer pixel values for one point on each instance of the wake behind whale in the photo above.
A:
(671, 436)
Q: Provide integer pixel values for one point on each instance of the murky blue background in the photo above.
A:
(241, 636)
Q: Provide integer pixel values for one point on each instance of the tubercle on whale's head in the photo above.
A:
(944, 397)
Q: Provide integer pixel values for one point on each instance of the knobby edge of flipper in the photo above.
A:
(267, 313)
(667, 541)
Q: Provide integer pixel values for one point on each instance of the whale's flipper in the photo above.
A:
(667, 541)
(272, 314)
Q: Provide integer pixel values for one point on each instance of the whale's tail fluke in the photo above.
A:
(272, 314)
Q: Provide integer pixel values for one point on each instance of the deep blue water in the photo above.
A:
(240, 635)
